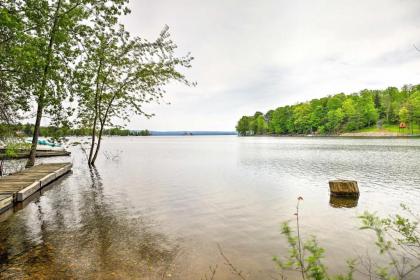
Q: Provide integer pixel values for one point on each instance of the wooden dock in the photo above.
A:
(19, 186)
(39, 153)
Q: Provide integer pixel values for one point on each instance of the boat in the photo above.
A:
(45, 142)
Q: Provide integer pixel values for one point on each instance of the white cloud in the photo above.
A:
(258, 55)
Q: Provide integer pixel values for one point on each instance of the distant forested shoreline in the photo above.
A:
(340, 113)
(26, 130)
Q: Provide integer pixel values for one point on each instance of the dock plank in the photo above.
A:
(6, 201)
(19, 186)
(25, 154)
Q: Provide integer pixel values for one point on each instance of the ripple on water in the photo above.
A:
(162, 206)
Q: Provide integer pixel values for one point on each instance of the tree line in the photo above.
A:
(338, 113)
(74, 60)
(56, 133)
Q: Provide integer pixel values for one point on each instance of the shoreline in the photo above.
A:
(363, 135)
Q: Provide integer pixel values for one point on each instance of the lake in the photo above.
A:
(157, 207)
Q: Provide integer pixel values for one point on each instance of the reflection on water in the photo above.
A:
(162, 207)
(84, 237)
(343, 202)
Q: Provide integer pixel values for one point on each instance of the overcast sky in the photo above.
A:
(259, 55)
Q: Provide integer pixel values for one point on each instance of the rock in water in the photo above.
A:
(347, 188)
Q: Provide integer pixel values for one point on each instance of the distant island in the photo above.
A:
(389, 112)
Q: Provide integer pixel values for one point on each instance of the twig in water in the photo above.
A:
(301, 257)
(212, 273)
(233, 269)
(84, 150)
(367, 266)
(112, 156)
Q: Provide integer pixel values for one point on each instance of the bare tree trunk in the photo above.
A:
(98, 145)
(103, 122)
(32, 153)
(92, 145)
(95, 120)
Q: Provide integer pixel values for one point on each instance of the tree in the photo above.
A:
(334, 102)
(335, 119)
(340, 112)
(12, 87)
(43, 47)
(43, 40)
(302, 121)
(410, 112)
(243, 126)
(277, 119)
(268, 119)
(370, 114)
(351, 114)
(387, 103)
(261, 125)
(317, 115)
(403, 114)
(415, 105)
(55, 56)
(119, 73)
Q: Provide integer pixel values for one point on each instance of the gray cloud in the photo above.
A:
(258, 55)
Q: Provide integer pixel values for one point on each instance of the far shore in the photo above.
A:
(377, 135)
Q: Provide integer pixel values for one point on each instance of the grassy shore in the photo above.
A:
(385, 130)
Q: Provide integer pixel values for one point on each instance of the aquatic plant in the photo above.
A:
(397, 238)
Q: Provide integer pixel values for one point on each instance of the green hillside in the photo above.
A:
(340, 113)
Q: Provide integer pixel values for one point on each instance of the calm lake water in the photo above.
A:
(156, 207)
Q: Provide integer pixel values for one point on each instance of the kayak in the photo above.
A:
(46, 143)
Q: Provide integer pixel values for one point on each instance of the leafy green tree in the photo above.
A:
(261, 125)
(268, 118)
(53, 57)
(13, 95)
(370, 114)
(340, 113)
(145, 133)
(387, 103)
(334, 102)
(243, 126)
(317, 115)
(120, 73)
(44, 45)
(335, 119)
(302, 121)
(282, 120)
(403, 114)
(352, 115)
(415, 106)
(253, 123)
